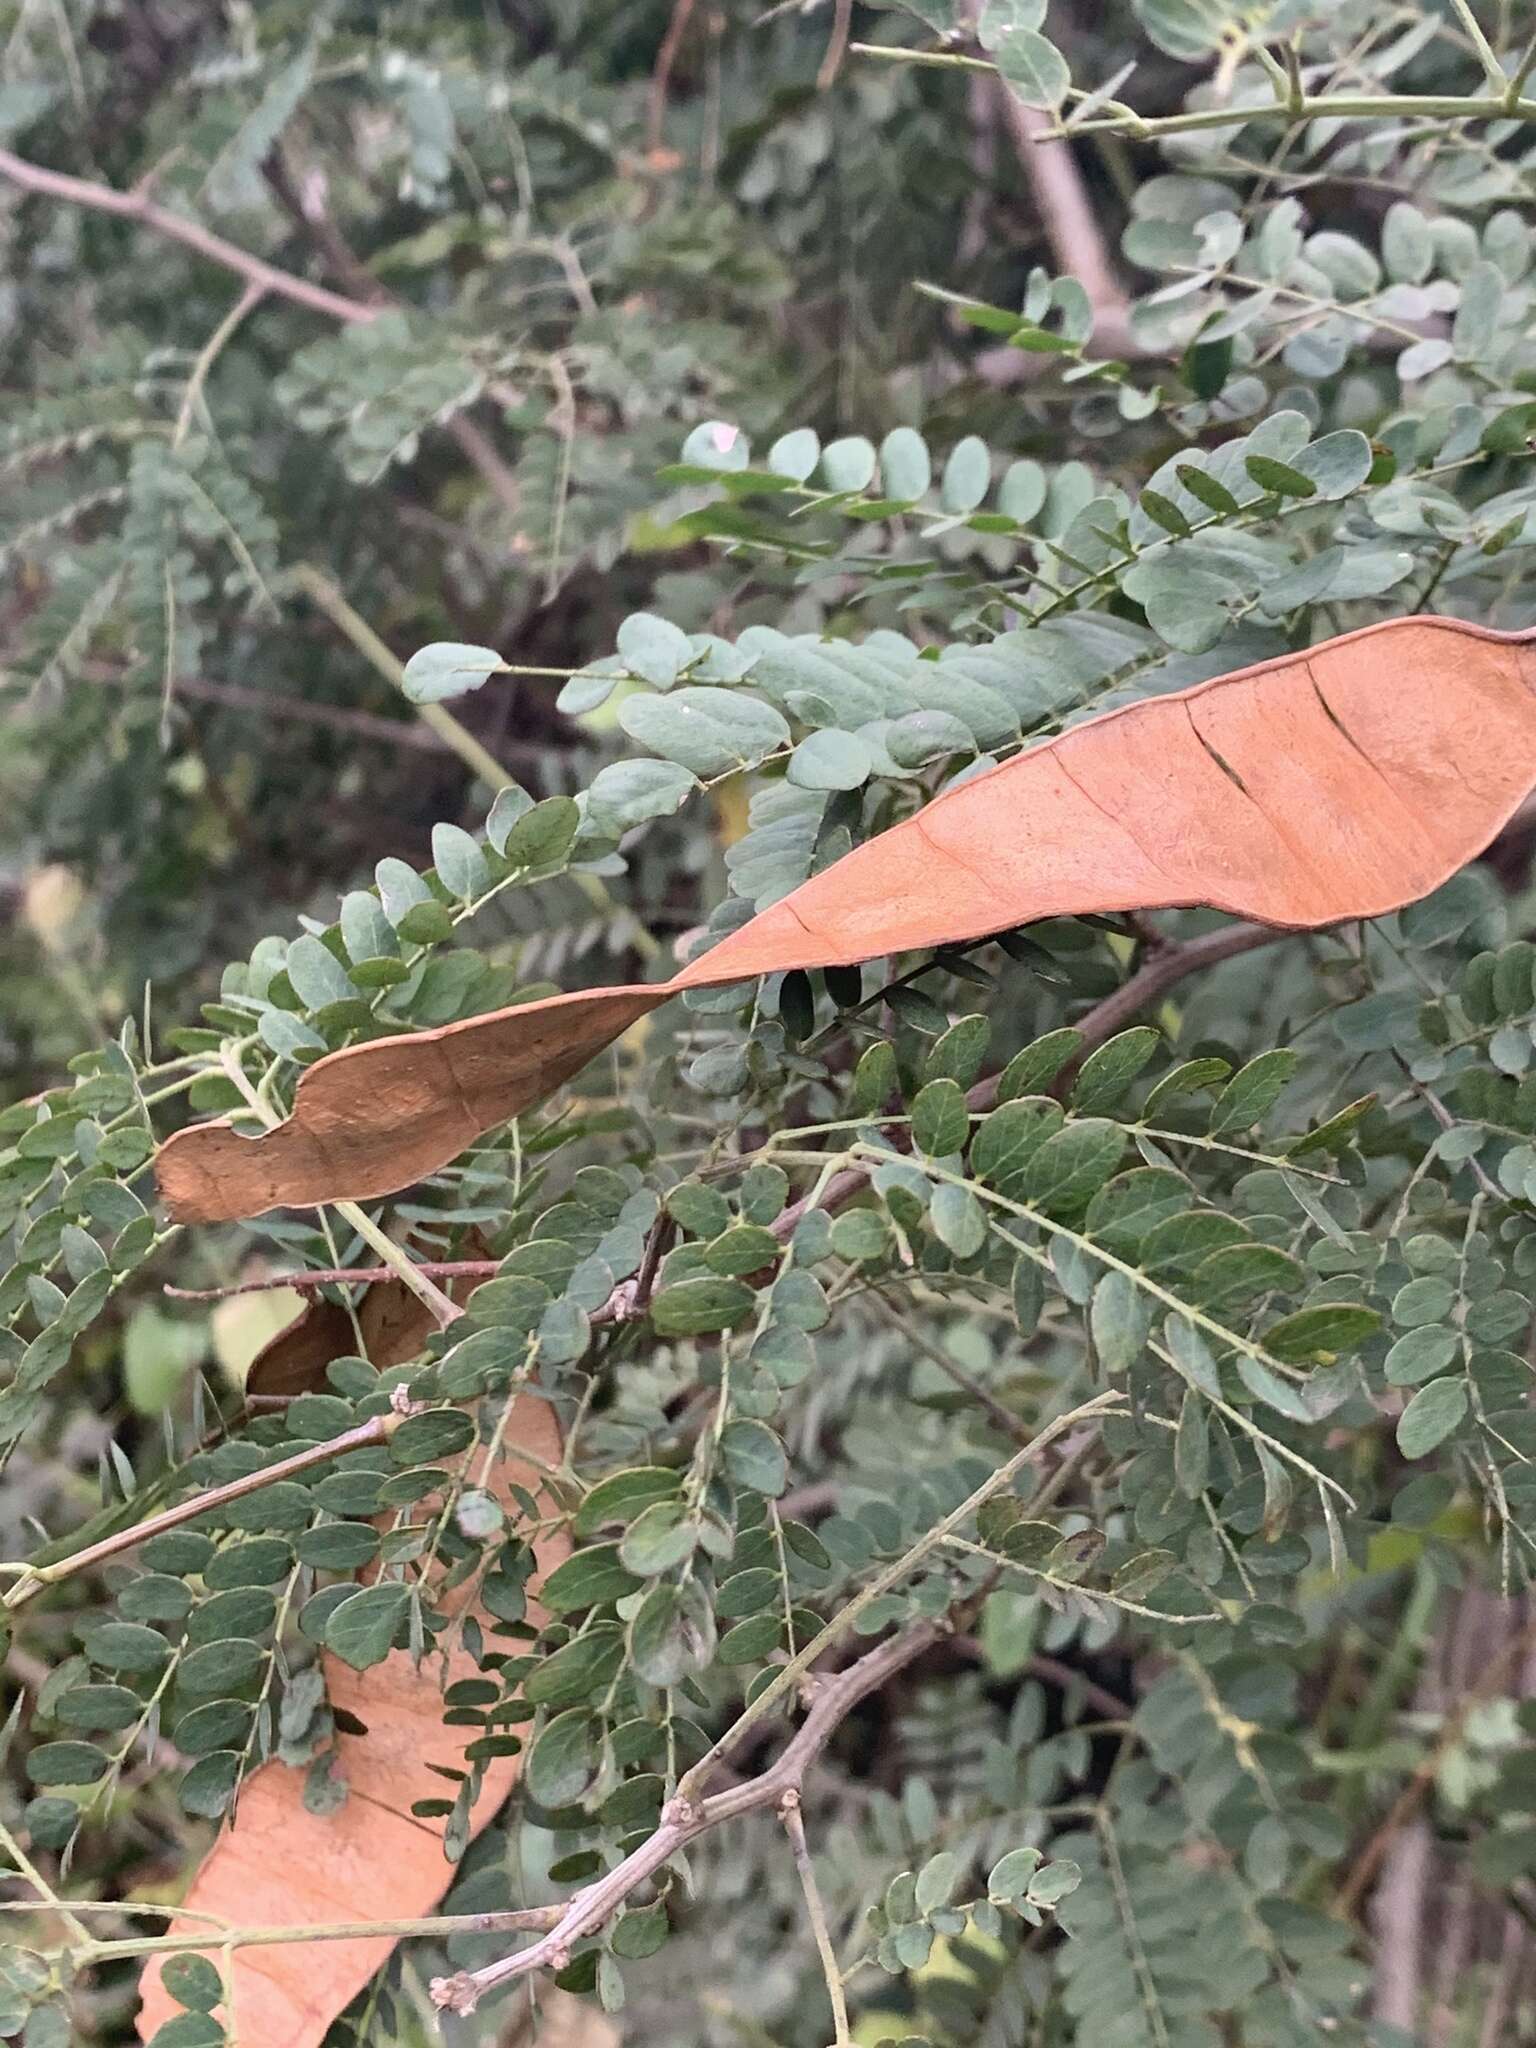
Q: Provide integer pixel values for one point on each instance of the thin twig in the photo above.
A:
(1447, 1122)
(1163, 971)
(247, 302)
(981, 106)
(563, 250)
(1340, 106)
(826, 77)
(1499, 2013)
(31, 1578)
(691, 1812)
(657, 1246)
(317, 585)
(661, 76)
(65, 1908)
(273, 704)
(516, 1919)
(480, 761)
(262, 277)
(1493, 70)
(627, 1303)
(1438, 568)
(816, 1913)
(482, 453)
(1522, 72)
(440, 1306)
(1071, 227)
(1070, 1679)
(1004, 1418)
(176, 227)
(302, 201)
(894, 1574)
(341, 1276)
(1397, 1922)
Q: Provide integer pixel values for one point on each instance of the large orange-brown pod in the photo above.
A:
(1339, 783)
(275, 1864)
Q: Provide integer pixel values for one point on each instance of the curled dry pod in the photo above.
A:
(276, 1864)
(1339, 783)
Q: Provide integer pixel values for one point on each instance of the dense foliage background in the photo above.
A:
(801, 433)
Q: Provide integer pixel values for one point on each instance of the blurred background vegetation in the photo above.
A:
(518, 250)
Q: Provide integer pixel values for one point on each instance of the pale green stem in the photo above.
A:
(443, 1308)
(1325, 106)
(525, 1918)
(478, 759)
(34, 1876)
(212, 349)
(872, 1154)
(448, 729)
(1070, 1586)
(1492, 68)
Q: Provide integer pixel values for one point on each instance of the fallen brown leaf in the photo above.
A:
(278, 1865)
(1339, 783)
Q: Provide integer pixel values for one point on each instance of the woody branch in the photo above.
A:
(685, 1819)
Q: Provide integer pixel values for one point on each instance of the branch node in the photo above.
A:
(812, 1685)
(458, 1993)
